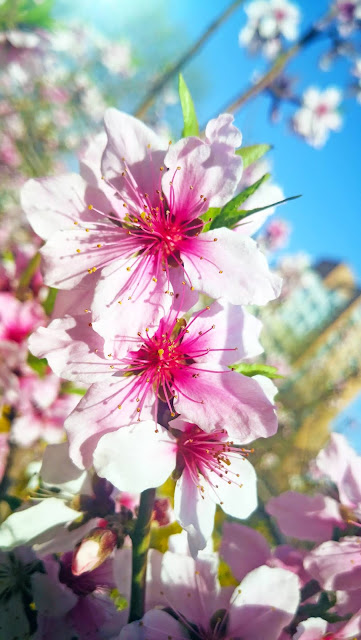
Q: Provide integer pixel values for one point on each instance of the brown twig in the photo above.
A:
(184, 59)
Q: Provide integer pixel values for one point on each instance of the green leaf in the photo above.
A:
(253, 153)
(39, 365)
(48, 304)
(37, 15)
(191, 127)
(256, 369)
(230, 214)
(249, 212)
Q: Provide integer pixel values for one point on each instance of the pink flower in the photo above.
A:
(18, 319)
(183, 365)
(259, 607)
(144, 224)
(208, 467)
(41, 410)
(69, 604)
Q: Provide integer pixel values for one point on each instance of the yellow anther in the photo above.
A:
(154, 279)
(119, 406)
(78, 250)
(221, 272)
(75, 223)
(99, 245)
(90, 206)
(87, 230)
(160, 352)
(119, 302)
(161, 168)
(129, 268)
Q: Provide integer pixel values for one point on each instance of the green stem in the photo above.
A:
(141, 540)
(184, 59)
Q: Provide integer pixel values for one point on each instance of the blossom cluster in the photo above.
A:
(317, 111)
(150, 321)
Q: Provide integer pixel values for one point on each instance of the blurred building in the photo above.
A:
(313, 335)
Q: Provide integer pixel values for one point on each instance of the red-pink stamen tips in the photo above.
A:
(161, 361)
(208, 455)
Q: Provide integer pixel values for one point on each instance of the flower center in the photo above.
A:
(208, 455)
(321, 110)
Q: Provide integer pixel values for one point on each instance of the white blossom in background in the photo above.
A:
(318, 115)
(268, 22)
(117, 58)
(348, 13)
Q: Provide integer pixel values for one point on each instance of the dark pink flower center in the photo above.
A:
(157, 366)
(321, 110)
(154, 227)
(280, 15)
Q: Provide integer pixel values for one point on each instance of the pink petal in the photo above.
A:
(350, 485)
(222, 130)
(206, 170)
(264, 604)
(225, 399)
(137, 457)
(334, 458)
(70, 253)
(128, 139)
(311, 629)
(231, 266)
(55, 203)
(194, 511)
(97, 413)
(305, 517)
(156, 625)
(238, 498)
(234, 336)
(128, 302)
(243, 548)
(73, 350)
(336, 565)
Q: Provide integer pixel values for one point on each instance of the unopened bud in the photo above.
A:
(93, 550)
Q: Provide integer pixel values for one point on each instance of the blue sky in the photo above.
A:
(326, 220)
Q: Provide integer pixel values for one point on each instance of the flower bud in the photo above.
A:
(93, 550)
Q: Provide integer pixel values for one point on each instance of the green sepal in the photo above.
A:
(248, 212)
(257, 369)
(191, 126)
(253, 153)
(230, 214)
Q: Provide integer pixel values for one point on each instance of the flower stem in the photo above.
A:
(140, 540)
(184, 59)
(278, 66)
